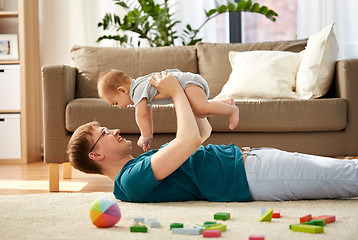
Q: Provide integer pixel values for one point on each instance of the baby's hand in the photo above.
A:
(145, 142)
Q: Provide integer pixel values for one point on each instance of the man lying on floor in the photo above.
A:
(183, 170)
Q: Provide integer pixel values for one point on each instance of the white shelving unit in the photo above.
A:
(20, 85)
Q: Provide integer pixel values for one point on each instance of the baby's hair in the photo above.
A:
(110, 80)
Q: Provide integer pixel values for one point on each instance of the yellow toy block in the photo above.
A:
(218, 226)
(267, 216)
(306, 228)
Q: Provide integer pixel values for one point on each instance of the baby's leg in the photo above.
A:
(203, 108)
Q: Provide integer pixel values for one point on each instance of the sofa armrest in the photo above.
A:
(58, 83)
(347, 88)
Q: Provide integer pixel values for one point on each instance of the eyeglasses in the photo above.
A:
(104, 131)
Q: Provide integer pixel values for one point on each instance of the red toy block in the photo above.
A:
(256, 237)
(306, 218)
(329, 218)
(212, 233)
(276, 214)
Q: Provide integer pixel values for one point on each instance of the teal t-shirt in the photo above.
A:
(214, 173)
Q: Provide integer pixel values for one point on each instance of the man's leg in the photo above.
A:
(278, 175)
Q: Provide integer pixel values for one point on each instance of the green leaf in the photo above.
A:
(255, 7)
(231, 6)
(222, 9)
(248, 5)
(241, 5)
(263, 10)
(211, 12)
(122, 4)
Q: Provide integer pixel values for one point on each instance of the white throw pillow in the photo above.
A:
(315, 74)
(261, 75)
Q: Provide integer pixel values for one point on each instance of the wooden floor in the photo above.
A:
(32, 178)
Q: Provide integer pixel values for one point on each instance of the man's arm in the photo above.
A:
(187, 140)
(145, 123)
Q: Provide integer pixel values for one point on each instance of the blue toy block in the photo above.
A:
(153, 223)
(139, 219)
(187, 231)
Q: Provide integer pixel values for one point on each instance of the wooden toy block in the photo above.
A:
(212, 233)
(306, 218)
(276, 214)
(267, 216)
(139, 219)
(318, 222)
(329, 218)
(187, 231)
(306, 228)
(138, 228)
(199, 226)
(256, 237)
(153, 223)
(218, 226)
(176, 225)
(222, 216)
(208, 224)
(263, 210)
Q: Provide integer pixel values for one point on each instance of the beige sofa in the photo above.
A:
(326, 126)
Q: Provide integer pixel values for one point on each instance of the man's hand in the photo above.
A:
(166, 84)
(145, 143)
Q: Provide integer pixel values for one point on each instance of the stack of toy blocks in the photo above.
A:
(311, 224)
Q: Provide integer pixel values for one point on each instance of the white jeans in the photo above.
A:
(273, 174)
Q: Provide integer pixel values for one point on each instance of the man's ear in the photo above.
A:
(123, 89)
(95, 156)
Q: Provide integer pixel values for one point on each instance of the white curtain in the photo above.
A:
(192, 12)
(314, 15)
(64, 23)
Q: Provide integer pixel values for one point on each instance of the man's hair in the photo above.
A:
(79, 146)
(109, 81)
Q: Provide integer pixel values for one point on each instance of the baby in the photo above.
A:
(117, 88)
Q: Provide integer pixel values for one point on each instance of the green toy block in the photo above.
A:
(218, 226)
(306, 228)
(208, 224)
(138, 228)
(318, 222)
(267, 216)
(222, 216)
(199, 226)
(176, 225)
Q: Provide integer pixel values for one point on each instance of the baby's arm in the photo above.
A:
(145, 123)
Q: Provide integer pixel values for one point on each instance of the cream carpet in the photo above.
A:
(65, 216)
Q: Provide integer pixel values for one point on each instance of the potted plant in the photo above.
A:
(155, 23)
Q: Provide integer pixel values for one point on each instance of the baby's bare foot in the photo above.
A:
(234, 118)
(230, 101)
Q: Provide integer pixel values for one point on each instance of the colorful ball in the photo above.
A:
(104, 212)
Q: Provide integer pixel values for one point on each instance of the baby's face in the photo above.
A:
(118, 98)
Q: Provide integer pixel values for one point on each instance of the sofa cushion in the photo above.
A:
(136, 62)
(316, 71)
(285, 115)
(262, 75)
(83, 110)
(213, 58)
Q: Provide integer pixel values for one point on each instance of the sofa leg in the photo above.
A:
(66, 170)
(54, 177)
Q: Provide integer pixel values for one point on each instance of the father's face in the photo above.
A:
(110, 142)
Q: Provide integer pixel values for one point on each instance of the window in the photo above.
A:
(252, 27)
